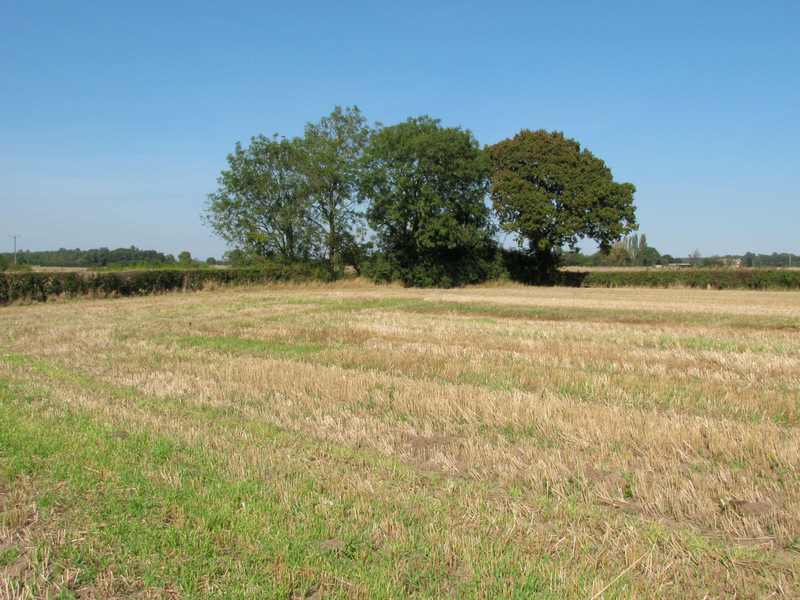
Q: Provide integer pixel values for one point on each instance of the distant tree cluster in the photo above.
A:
(746, 260)
(96, 258)
(775, 259)
(634, 251)
(628, 251)
(408, 202)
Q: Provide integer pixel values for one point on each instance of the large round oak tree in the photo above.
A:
(551, 194)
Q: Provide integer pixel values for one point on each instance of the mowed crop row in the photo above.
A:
(478, 442)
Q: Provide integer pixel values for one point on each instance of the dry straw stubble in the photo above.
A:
(657, 415)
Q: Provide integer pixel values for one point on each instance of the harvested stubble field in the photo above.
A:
(354, 441)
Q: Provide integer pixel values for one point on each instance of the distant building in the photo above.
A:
(732, 263)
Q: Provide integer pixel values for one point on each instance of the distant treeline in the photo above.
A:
(97, 258)
(621, 256)
(630, 251)
(769, 260)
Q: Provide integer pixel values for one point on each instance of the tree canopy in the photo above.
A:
(551, 193)
(294, 198)
(427, 185)
(425, 188)
(334, 147)
(261, 205)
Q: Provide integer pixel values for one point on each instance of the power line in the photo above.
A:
(15, 246)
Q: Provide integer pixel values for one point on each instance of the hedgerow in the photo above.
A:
(717, 279)
(39, 287)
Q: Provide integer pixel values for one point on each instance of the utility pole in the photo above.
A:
(15, 246)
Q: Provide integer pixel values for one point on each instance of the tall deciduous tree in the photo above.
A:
(641, 255)
(334, 147)
(551, 193)
(427, 185)
(261, 205)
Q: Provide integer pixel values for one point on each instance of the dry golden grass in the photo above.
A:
(656, 427)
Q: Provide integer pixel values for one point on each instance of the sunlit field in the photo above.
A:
(356, 441)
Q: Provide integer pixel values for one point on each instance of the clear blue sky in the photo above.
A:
(117, 117)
